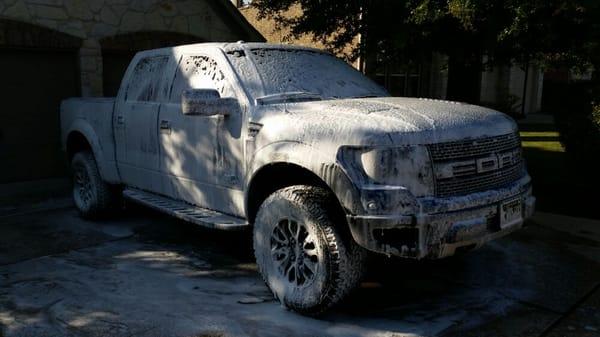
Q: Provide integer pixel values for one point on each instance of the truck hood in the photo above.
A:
(378, 121)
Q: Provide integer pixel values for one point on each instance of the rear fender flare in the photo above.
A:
(108, 170)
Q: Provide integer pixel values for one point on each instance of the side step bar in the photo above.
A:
(182, 210)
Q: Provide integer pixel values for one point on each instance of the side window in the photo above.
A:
(199, 72)
(144, 83)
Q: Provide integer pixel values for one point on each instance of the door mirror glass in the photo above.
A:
(206, 102)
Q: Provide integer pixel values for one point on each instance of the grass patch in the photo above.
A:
(556, 183)
(552, 146)
(539, 134)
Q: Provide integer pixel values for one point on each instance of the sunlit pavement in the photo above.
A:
(144, 274)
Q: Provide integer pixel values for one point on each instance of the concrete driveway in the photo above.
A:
(145, 274)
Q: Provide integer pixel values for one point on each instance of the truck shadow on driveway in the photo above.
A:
(152, 275)
(530, 279)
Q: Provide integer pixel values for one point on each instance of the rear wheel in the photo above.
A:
(308, 262)
(92, 196)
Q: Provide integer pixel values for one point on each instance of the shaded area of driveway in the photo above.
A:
(144, 274)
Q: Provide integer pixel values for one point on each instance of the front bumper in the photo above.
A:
(443, 226)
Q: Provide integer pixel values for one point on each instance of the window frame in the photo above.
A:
(158, 92)
(217, 55)
(171, 98)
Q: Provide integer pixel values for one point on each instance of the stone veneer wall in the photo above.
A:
(93, 20)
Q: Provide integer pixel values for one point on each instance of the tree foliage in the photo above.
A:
(555, 33)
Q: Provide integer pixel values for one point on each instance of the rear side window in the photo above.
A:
(145, 82)
(200, 72)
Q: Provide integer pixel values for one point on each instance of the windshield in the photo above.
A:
(287, 72)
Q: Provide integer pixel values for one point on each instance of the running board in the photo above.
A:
(182, 210)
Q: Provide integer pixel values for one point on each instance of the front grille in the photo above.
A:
(479, 182)
(476, 165)
(474, 148)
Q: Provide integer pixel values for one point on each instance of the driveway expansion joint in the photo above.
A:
(571, 310)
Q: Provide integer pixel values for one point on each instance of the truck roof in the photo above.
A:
(228, 46)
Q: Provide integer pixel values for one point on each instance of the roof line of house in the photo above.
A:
(253, 35)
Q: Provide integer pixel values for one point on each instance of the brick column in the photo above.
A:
(90, 66)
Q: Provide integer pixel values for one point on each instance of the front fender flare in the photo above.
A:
(305, 156)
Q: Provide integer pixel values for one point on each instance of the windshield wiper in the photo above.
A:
(292, 96)
(367, 96)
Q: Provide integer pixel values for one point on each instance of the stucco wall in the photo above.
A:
(92, 20)
(276, 34)
(504, 84)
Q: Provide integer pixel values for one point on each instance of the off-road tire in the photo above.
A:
(340, 260)
(92, 196)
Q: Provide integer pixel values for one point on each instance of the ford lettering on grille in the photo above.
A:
(476, 165)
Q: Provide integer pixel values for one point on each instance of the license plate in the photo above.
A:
(510, 212)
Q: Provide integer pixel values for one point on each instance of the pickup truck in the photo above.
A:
(294, 144)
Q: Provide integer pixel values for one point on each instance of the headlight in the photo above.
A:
(406, 166)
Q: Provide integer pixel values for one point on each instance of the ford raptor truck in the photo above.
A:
(316, 159)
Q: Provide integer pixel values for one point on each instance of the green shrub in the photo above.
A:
(578, 121)
(596, 115)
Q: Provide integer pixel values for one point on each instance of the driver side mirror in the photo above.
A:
(206, 102)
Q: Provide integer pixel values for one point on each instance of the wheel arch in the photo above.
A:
(287, 164)
(273, 177)
(81, 136)
(76, 142)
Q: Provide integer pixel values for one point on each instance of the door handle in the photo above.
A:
(165, 126)
(120, 119)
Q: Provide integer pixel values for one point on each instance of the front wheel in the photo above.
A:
(92, 196)
(308, 262)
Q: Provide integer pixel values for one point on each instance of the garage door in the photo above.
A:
(32, 86)
(114, 65)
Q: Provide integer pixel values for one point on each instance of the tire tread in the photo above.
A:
(106, 195)
(346, 257)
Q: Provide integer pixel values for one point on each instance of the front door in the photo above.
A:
(136, 124)
(201, 156)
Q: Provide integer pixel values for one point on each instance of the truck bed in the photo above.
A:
(94, 118)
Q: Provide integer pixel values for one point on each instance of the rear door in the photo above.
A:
(136, 122)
